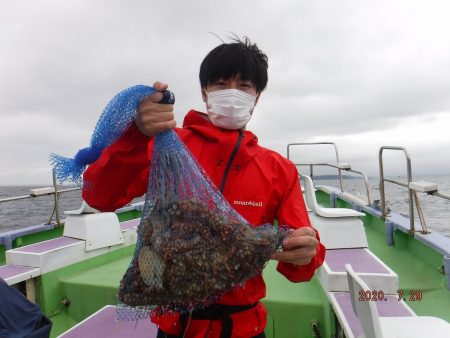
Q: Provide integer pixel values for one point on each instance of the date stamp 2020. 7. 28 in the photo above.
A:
(379, 295)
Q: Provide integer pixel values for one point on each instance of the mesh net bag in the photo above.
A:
(192, 245)
(114, 120)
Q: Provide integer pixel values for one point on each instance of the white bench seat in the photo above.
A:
(342, 306)
(379, 324)
(333, 276)
(104, 323)
(13, 274)
(56, 253)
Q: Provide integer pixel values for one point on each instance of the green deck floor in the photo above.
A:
(89, 286)
(418, 272)
(293, 307)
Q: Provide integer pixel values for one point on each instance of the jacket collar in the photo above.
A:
(195, 122)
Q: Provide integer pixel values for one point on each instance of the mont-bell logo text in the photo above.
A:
(249, 203)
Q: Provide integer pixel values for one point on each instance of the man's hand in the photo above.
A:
(299, 248)
(153, 117)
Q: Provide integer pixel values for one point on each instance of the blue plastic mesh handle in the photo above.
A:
(114, 120)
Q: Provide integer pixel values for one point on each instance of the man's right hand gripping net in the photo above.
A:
(192, 245)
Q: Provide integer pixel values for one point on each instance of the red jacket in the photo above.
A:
(260, 184)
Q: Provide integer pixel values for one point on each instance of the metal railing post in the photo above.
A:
(409, 179)
(56, 198)
(341, 179)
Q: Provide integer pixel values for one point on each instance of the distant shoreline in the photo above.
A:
(334, 177)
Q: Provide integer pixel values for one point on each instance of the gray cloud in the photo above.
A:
(342, 70)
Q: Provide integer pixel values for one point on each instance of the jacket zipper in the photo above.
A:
(233, 155)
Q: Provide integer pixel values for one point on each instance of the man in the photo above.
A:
(260, 184)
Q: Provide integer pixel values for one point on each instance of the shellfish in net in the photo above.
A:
(192, 245)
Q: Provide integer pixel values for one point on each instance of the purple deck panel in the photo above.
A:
(390, 307)
(8, 271)
(49, 245)
(360, 260)
(105, 325)
(64, 241)
(129, 224)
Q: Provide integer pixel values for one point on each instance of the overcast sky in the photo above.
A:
(360, 73)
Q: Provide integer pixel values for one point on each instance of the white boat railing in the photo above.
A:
(34, 193)
(338, 165)
(413, 189)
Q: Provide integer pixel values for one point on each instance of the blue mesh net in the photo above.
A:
(114, 120)
(192, 245)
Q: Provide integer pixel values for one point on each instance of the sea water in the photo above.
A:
(27, 212)
(36, 210)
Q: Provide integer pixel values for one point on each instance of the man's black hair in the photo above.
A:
(230, 59)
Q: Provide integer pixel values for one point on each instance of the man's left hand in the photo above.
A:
(299, 248)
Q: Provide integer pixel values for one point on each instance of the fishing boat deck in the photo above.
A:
(88, 289)
(88, 283)
(86, 286)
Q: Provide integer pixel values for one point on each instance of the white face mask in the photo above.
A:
(230, 108)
